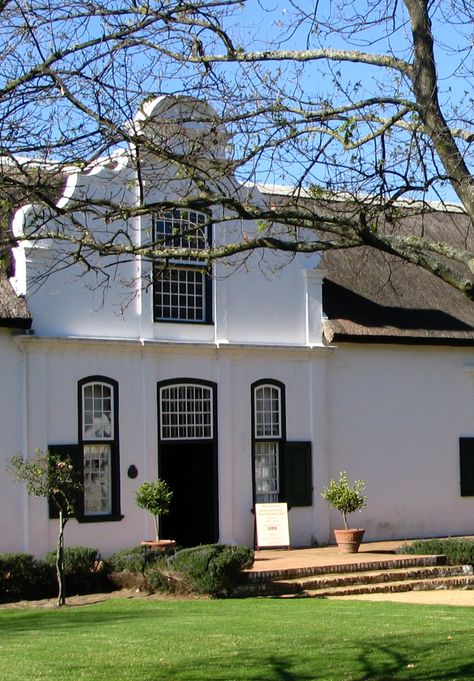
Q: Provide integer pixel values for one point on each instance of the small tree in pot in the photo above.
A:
(155, 497)
(347, 499)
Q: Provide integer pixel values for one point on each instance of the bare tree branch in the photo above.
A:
(362, 147)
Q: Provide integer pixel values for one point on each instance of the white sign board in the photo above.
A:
(272, 525)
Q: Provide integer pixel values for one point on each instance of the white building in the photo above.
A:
(243, 384)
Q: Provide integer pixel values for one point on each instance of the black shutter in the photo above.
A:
(297, 471)
(466, 457)
(74, 452)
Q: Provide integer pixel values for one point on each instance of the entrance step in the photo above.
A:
(460, 582)
(404, 574)
(371, 577)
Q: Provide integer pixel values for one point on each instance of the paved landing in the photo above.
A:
(280, 559)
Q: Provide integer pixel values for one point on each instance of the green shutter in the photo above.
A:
(297, 471)
(74, 452)
(466, 456)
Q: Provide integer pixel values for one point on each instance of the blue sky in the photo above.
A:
(254, 24)
(262, 21)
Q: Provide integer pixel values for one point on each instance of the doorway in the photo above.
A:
(187, 460)
(190, 471)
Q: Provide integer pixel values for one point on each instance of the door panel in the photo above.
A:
(190, 469)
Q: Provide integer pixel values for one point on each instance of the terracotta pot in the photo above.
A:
(165, 545)
(348, 541)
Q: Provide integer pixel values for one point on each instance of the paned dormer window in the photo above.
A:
(182, 287)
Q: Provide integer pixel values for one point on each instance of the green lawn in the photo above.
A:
(255, 639)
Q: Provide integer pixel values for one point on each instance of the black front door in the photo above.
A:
(190, 468)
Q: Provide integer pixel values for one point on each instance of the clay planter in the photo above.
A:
(165, 545)
(348, 541)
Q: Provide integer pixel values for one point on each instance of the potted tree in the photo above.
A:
(347, 499)
(155, 497)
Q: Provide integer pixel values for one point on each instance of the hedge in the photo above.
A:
(137, 559)
(212, 569)
(457, 551)
(23, 576)
(84, 571)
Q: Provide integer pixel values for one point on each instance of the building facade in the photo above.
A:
(238, 382)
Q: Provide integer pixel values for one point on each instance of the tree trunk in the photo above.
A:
(60, 560)
(425, 86)
(155, 520)
(344, 517)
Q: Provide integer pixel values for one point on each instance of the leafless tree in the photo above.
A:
(363, 107)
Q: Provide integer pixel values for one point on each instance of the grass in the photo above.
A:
(255, 639)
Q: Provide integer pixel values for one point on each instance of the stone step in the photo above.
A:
(372, 577)
(262, 576)
(459, 582)
(418, 573)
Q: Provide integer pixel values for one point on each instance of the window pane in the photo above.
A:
(97, 480)
(266, 472)
(180, 294)
(267, 411)
(186, 412)
(182, 228)
(180, 291)
(97, 406)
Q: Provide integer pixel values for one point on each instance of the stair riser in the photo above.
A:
(361, 589)
(425, 585)
(291, 573)
(367, 578)
(427, 578)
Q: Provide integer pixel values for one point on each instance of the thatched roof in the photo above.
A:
(370, 297)
(13, 309)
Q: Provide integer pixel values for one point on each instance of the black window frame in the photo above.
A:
(171, 266)
(294, 457)
(466, 465)
(113, 442)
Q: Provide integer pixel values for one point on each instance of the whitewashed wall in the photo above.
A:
(395, 417)
(13, 498)
(55, 367)
(391, 415)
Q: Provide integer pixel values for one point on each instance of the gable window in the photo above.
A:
(281, 469)
(182, 287)
(98, 439)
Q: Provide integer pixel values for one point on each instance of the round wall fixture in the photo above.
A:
(132, 472)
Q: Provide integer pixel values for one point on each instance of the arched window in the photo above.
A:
(98, 439)
(186, 412)
(268, 433)
(97, 411)
(282, 470)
